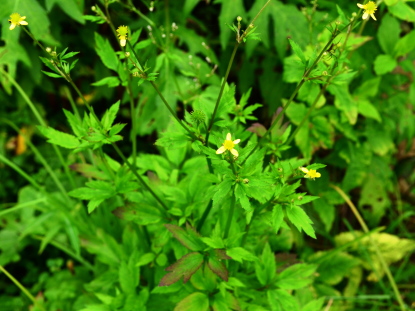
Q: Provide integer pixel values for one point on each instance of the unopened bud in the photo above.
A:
(245, 181)
(198, 116)
(239, 18)
(300, 198)
(48, 49)
(127, 54)
(93, 8)
(325, 73)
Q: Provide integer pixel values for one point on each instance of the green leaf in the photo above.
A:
(185, 267)
(96, 191)
(239, 254)
(281, 300)
(344, 101)
(335, 267)
(51, 74)
(368, 110)
(403, 11)
(189, 238)
(69, 7)
(128, 278)
(110, 116)
(405, 45)
(216, 264)
(106, 52)
(300, 219)
(59, 138)
(388, 33)
(265, 269)
(296, 276)
(384, 64)
(108, 81)
(196, 301)
(298, 51)
(277, 217)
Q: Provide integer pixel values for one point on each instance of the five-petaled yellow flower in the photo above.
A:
(17, 20)
(313, 174)
(122, 34)
(228, 144)
(369, 8)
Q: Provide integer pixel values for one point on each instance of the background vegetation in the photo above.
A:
(83, 228)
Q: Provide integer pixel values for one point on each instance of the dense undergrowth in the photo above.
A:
(207, 155)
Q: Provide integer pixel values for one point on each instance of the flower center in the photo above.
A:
(15, 18)
(370, 7)
(228, 144)
(312, 173)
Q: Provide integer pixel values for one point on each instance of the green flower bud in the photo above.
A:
(198, 116)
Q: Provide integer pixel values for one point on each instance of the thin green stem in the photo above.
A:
(300, 84)
(21, 287)
(134, 171)
(161, 96)
(230, 216)
(66, 250)
(374, 244)
(41, 159)
(225, 78)
(325, 86)
(21, 205)
(204, 216)
(310, 110)
(41, 122)
(21, 172)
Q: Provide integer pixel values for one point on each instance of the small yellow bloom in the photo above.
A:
(17, 20)
(369, 8)
(310, 173)
(228, 144)
(122, 34)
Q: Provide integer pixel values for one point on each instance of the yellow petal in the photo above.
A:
(12, 26)
(23, 23)
(361, 6)
(235, 152)
(365, 16)
(373, 16)
(228, 136)
(304, 170)
(221, 150)
(236, 141)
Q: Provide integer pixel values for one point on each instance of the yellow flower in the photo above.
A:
(228, 144)
(122, 34)
(17, 20)
(369, 8)
(310, 173)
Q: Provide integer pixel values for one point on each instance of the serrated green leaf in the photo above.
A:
(59, 138)
(110, 116)
(185, 267)
(106, 52)
(300, 219)
(196, 301)
(298, 51)
(109, 81)
(239, 254)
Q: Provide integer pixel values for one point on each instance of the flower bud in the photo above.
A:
(245, 180)
(239, 18)
(198, 116)
(48, 50)
(127, 54)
